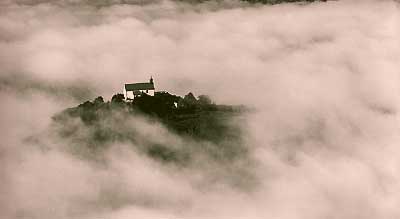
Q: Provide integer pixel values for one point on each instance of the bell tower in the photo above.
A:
(151, 80)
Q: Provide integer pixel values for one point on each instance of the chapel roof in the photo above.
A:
(139, 86)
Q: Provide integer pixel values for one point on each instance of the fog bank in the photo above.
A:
(323, 79)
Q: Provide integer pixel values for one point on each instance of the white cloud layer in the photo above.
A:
(324, 78)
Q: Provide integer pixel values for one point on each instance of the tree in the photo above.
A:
(190, 99)
(99, 100)
(117, 98)
(204, 100)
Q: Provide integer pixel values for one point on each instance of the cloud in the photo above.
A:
(323, 78)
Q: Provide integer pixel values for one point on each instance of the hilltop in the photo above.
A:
(211, 129)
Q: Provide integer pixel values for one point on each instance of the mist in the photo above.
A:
(323, 79)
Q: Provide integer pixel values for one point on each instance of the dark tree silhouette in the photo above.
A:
(204, 100)
(118, 98)
(190, 98)
(98, 100)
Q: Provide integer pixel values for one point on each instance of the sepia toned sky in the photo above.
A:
(323, 78)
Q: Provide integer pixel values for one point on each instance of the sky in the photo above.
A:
(323, 79)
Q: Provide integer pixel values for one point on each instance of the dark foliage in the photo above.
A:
(98, 100)
(117, 98)
(198, 119)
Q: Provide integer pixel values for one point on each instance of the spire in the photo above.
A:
(151, 80)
